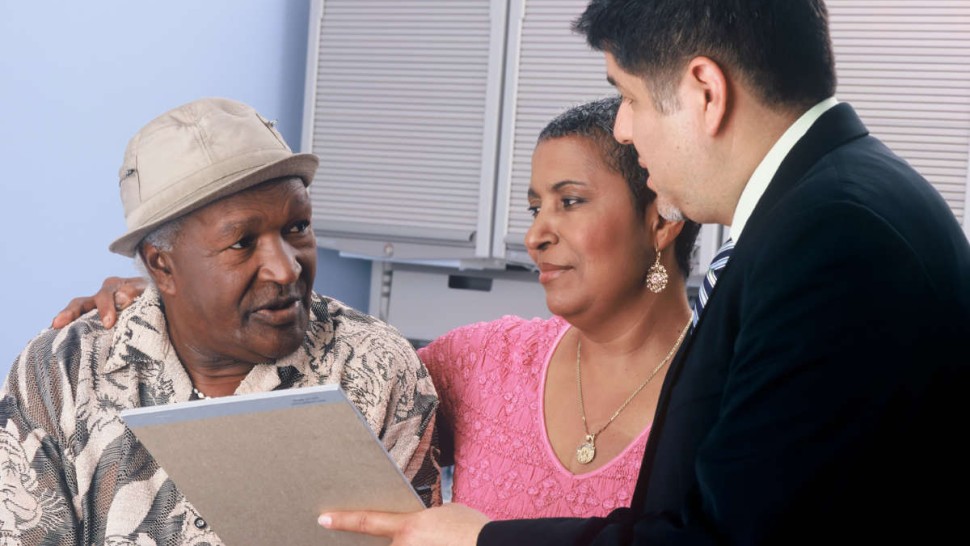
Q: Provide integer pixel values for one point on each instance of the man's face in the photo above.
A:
(241, 272)
(663, 140)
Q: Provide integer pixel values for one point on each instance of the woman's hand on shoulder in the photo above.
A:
(115, 295)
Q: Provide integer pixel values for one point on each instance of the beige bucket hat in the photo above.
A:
(195, 154)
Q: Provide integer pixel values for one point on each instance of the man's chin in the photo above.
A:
(669, 212)
(281, 341)
(283, 350)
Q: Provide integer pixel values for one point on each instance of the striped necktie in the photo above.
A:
(720, 260)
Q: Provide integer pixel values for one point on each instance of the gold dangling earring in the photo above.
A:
(657, 277)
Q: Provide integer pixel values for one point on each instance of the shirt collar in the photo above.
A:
(139, 334)
(766, 170)
(141, 337)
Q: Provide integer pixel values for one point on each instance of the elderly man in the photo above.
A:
(218, 214)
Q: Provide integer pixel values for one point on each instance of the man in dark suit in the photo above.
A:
(820, 398)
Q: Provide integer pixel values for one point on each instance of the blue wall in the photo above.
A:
(77, 80)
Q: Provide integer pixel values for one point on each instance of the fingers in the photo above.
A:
(104, 300)
(115, 295)
(384, 524)
(127, 290)
(61, 319)
(74, 309)
(447, 525)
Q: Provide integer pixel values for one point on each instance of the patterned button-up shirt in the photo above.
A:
(72, 473)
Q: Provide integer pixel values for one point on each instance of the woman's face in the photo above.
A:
(591, 247)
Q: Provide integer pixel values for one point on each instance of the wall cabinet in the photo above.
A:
(425, 112)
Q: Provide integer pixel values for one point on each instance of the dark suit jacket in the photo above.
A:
(824, 395)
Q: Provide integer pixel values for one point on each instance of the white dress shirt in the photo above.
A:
(766, 170)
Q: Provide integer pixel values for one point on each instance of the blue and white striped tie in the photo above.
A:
(720, 260)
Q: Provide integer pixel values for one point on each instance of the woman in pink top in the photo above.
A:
(550, 417)
(510, 388)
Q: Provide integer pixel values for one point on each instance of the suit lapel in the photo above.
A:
(836, 127)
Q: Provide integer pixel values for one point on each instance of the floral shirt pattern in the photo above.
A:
(72, 473)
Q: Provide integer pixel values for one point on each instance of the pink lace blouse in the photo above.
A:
(490, 377)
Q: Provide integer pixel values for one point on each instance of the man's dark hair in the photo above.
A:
(594, 122)
(780, 49)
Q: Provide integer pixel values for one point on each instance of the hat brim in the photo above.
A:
(303, 166)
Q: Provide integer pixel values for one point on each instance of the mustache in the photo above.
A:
(280, 297)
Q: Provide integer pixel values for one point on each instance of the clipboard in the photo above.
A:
(261, 467)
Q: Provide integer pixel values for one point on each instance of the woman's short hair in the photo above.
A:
(594, 122)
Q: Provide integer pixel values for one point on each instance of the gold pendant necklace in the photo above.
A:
(586, 451)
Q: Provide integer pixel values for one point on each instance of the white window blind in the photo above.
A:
(402, 102)
(550, 69)
(425, 113)
(905, 66)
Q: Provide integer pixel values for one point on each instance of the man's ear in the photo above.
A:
(158, 263)
(709, 89)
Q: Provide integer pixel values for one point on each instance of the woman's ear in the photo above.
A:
(158, 263)
(664, 231)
